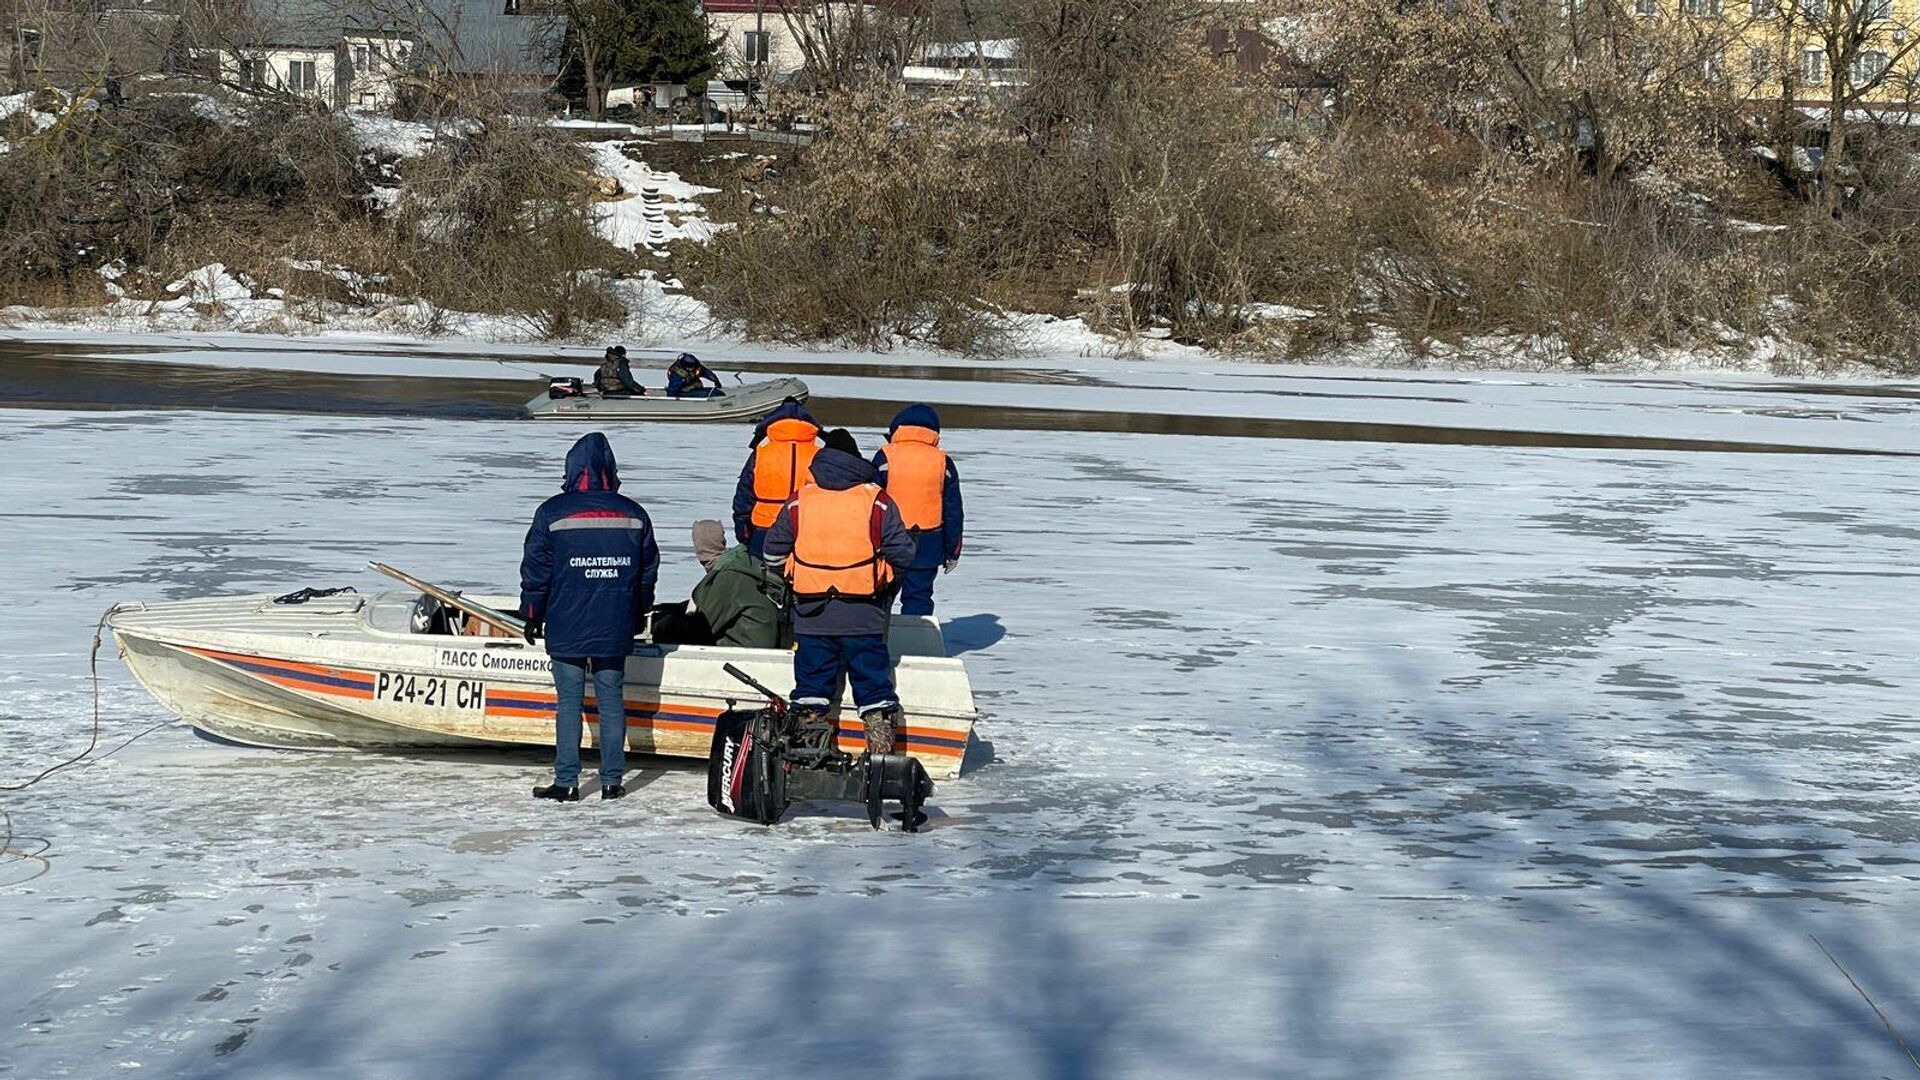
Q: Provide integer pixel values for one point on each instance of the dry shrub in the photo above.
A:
(282, 156)
(1423, 237)
(498, 221)
(886, 229)
(501, 221)
(107, 184)
(1131, 162)
(1852, 281)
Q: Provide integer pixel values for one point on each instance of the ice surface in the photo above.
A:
(1299, 759)
(1855, 415)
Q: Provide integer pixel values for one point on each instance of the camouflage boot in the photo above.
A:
(881, 725)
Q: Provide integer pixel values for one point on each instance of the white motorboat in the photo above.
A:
(352, 671)
(749, 401)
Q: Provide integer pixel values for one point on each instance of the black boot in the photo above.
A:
(881, 724)
(557, 793)
(614, 791)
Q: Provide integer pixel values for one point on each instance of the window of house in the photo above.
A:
(361, 58)
(1646, 7)
(759, 43)
(1765, 9)
(1814, 9)
(1813, 67)
(1701, 7)
(1878, 10)
(1870, 67)
(1711, 65)
(301, 75)
(1760, 64)
(253, 71)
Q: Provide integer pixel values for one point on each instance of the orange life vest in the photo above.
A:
(917, 476)
(836, 543)
(780, 465)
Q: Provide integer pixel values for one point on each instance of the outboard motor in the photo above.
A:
(564, 387)
(762, 762)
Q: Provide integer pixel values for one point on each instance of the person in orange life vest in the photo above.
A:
(921, 479)
(842, 546)
(784, 443)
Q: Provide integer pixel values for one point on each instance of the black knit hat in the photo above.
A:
(841, 439)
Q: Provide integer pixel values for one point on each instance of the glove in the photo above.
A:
(535, 628)
(947, 567)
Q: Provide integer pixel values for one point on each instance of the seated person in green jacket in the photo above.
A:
(738, 602)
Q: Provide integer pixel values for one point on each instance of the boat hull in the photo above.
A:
(749, 402)
(325, 677)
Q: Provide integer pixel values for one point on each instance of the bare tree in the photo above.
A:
(1854, 49)
(861, 42)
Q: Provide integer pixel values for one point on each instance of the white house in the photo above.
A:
(338, 68)
(758, 42)
(755, 39)
(318, 50)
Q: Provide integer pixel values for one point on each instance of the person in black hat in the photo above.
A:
(841, 545)
(615, 378)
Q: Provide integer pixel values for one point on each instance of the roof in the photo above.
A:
(484, 43)
(285, 23)
(465, 37)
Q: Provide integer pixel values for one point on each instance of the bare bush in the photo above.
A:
(1130, 160)
(888, 228)
(501, 220)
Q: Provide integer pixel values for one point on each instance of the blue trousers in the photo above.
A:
(820, 662)
(916, 585)
(570, 686)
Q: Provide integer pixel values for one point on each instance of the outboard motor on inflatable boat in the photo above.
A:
(763, 761)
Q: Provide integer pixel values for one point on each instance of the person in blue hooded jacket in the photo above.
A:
(841, 545)
(924, 484)
(586, 583)
(782, 448)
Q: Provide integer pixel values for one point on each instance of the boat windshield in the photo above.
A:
(404, 613)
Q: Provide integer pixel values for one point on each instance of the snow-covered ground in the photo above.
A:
(1302, 759)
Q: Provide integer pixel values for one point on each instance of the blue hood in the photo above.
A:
(590, 466)
(837, 470)
(786, 410)
(921, 415)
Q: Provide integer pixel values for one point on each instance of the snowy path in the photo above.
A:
(1306, 759)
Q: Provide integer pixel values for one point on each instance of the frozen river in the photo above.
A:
(1299, 758)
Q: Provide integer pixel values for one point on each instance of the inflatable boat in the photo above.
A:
(568, 399)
